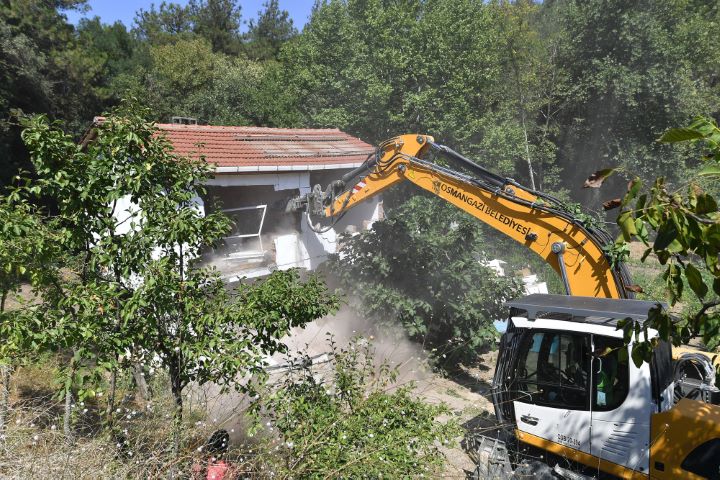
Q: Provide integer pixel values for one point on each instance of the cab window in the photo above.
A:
(611, 373)
(553, 370)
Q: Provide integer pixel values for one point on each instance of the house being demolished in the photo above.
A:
(257, 170)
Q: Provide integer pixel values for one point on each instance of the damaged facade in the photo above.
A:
(257, 170)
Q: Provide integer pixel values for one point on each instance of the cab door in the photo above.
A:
(621, 405)
(552, 389)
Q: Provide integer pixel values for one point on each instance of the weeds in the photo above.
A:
(343, 417)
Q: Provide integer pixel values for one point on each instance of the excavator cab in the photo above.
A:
(564, 375)
(565, 383)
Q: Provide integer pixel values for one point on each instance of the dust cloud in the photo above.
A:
(389, 345)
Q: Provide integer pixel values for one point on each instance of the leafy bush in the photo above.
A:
(681, 227)
(346, 421)
(422, 267)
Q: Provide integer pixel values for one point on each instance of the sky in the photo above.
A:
(110, 11)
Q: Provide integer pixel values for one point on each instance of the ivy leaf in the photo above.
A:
(596, 179)
(695, 281)
(680, 135)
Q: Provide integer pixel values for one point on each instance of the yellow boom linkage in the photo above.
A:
(530, 218)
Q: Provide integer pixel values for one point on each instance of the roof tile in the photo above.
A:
(260, 146)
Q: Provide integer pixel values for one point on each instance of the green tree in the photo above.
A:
(444, 68)
(360, 84)
(202, 333)
(535, 90)
(244, 92)
(127, 211)
(269, 32)
(34, 76)
(681, 227)
(108, 243)
(160, 25)
(422, 267)
(105, 52)
(187, 78)
(219, 22)
(180, 70)
(638, 68)
(171, 75)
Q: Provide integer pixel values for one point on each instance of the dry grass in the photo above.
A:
(138, 447)
(140, 444)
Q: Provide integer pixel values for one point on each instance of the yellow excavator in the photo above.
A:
(564, 384)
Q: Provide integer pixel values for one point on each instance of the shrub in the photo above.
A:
(346, 420)
(421, 267)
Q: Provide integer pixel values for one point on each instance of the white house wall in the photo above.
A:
(279, 181)
(303, 249)
(293, 242)
(126, 212)
(319, 245)
(128, 216)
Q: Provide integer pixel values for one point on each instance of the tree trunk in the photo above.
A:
(67, 416)
(110, 410)
(527, 150)
(5, 373)
(140, 382)
(176, 387)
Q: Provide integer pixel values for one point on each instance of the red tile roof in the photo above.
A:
(247, 149)
(243, 148)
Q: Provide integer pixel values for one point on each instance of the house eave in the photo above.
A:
(286, 168)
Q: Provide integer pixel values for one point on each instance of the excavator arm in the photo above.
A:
(539, 221)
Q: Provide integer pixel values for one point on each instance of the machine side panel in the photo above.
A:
(677, 432)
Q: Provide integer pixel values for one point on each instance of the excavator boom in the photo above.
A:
(540, 222)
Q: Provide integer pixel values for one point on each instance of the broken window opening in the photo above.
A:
(248, 225)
